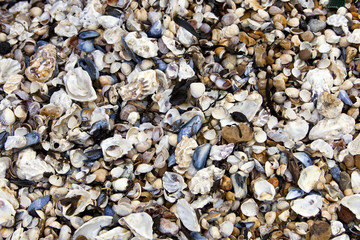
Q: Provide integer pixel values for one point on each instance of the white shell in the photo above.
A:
(117, 233)
(184, 151)
(8, 67)
(308, 206)
(249, 208)
(79, 86)
(91, 228)
(140, 224)
(143, 46)
(31, 167)
(204, 179)
(219, 152)
(336, 20)
(334, 128)
(297, 130)
(185, 71)
(354, 37)
(108, 21)
(355, 181)
(354, 146)
(323, 147)
(352, 203)
(187, 215)
(173, 182)
(264, 191)
(66, 29)
(171, 45)
(7, 213)
(308, 177)
(115, 147)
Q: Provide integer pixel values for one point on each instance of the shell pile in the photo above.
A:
(179, 119)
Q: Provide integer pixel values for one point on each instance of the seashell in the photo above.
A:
(79, 86)
(88, 65)
(329, 105)
(335, 173)
(156, 30)
(86, 46)
(297, 130)
(303, 158)
(337, 20)
(239, 182)
(89, 34)
(187, 215)
(319, 84)
(249, 208)
(185, 71)
(323, 147)
(308, 178)
(184, 151)
(118, 232)
(168, 227)
(31, 167)
(8, 68)
(204, 180)
(42, 65)
(7, 213)
(294, 193)
(221, 152)
(351, 202)
(140, 85)
(343, 96)
(220, 82)
(172, 46)
(66, 29)
(173, 182)
(38, 204)
(75, 207)
(108, 21)
(354, 37)
(308, 206)
(89, 15)
(331, 129)
(15, 142)
(264, 191)
(140, 224)
(142, 45)
(113, 35)
(200, 156)
(115, 147)
(197, 89)
(91, 228)
(13, 83)
(190, 128)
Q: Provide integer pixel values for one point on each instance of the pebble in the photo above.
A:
(316, 25)
(197, 89)
(232, 134)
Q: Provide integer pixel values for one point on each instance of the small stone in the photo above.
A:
(279, 18)
(273, 10)
(320, 230)
(232, 134)
(305, 54)
(226, 183)
(357, 161)
(316, 25)
(168, 227)
(307, 36)
(100, 175)
(354, 147)
(197, 89)
(345, 215)
(5, 48)
(350, 54)
(244, 38)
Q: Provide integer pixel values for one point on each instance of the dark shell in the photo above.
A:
(88, 34)
(99, 129)
(190, 128)
(108, 211)
(345, 97)
(171, 160)
(130, 52)
(303, 158)
(155, 30)
(88, 65)
(3, 138)
(200, 156)
(32, 138)
(335, 173)
(86, 46)
(94, 155)
(294, 193)
(38, 204)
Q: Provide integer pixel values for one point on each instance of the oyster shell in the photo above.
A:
(8, 68)
(7, 213)
(249, 208)
(31, 167)
(140, 224)
(352, 203)
(308, 206)
(140, 85)
(115, 147)
(79, 86)
(91, 228)
(204, 180)
(184, 151)
(173, 182)
(142, 45)
(187, 215)
(264, 191)
(43, 64)
(308, 177)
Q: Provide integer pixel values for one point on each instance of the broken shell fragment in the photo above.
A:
(140, 224)
(308, 178)
(308, 206)
(187, 215)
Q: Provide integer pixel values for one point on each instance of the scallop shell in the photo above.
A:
(79, 86)
(42, 65)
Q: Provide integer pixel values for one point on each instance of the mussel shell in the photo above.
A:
(3, 138)
(294, 193)
(155, 30)
(86, 46)
(88, 65)
(99, 129)
(190, 128)
(37, 204)
(200, 156)
(32, 138)
(88, 34)
(94, 155)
